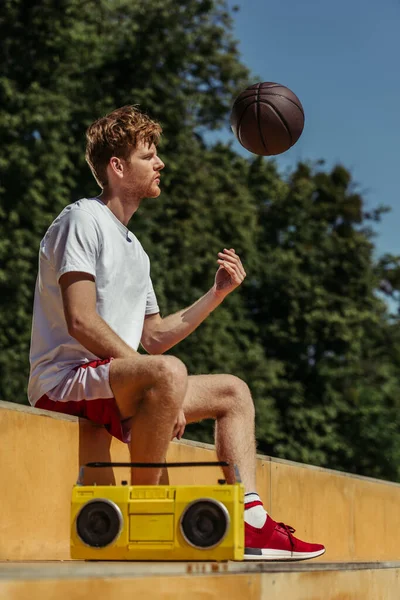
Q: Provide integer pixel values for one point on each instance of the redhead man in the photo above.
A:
(95, 303)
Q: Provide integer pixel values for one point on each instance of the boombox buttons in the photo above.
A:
(157, 522)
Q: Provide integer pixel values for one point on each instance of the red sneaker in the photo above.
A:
(274, 541)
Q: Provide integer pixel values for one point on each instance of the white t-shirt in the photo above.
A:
(88, 237)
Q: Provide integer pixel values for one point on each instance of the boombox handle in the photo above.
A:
(156, 466)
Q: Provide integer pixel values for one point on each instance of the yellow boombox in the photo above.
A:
(157, 522)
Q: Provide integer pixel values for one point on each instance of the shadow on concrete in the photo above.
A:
(95, 446)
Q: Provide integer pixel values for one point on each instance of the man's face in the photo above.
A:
(142, 172)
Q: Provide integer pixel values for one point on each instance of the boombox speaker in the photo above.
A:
(157, 522)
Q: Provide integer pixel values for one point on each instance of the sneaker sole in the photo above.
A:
(258, 554)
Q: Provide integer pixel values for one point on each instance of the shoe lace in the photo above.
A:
(289, 530)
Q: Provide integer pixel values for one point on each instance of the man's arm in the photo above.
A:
(78, 292)
(159, 335)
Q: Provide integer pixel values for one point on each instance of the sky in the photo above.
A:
(342, 59)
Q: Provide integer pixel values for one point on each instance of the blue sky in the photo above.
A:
(342, 59)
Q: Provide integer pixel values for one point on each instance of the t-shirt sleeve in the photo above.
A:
(75, 244)
(151, 303)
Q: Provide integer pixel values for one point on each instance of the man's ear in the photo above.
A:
(116, 166)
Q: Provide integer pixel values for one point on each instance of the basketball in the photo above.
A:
(267, 118)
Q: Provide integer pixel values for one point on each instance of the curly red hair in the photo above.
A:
(117, 134)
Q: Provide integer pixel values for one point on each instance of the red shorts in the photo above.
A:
(86, 392)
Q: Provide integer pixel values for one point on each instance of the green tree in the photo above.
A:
(309, 330)
(317, 313)
(177, 60)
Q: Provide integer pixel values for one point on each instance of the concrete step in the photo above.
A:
(212, 581)
(356, 518)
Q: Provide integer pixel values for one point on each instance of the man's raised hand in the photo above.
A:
(230, 273)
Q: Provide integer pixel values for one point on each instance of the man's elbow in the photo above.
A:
(74, 325)
(77, 325)
(80, 321)
(153, 346)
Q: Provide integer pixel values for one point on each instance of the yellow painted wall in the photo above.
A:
(40, 454)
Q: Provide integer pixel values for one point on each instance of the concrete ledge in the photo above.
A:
(357, 518)
(253, 581)
(77, 569)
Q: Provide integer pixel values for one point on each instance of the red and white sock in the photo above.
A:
(254, 511)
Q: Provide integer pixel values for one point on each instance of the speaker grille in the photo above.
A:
(204, 523)
(99, 523)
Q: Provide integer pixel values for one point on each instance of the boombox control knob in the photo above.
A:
(99, 523)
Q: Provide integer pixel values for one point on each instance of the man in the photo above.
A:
(94, 304)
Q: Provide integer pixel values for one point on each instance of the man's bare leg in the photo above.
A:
(151, 389)
(226, 399)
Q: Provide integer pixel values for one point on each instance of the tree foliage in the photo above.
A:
(309, 330)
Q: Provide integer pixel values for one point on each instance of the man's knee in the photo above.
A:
(169, 382)
(239, 392)
(170, 371)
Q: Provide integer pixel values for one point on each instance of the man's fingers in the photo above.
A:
(228, 257)
(237, 266)
(233, 269)
(232, 258)
(179, 426)
(176, 429)
(230, 253)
